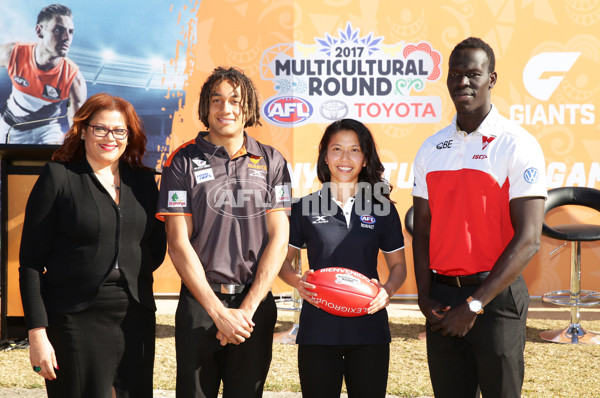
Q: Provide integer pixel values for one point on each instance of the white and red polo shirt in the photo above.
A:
(469, 180)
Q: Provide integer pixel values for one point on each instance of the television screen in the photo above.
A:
(53, 58)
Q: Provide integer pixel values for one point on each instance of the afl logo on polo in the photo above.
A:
(367, 219)
(531, 175)
(285, 111)
(21, 81)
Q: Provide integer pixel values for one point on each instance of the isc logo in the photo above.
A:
(288, 110)
(479, 156)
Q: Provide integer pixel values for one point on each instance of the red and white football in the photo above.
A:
(342, 291)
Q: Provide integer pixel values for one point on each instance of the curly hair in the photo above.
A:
(477, 43)
(73, 147)
(372, 173)
(249, 100)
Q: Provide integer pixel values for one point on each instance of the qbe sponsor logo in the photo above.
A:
(350, 74)
(177, 199)
(544, 75)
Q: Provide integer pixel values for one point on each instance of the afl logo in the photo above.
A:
(21, 81)
(367, 219)
(287, 110)
(531, 175)
(334, 110)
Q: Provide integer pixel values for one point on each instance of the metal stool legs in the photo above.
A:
(289, 336)
(575, 298)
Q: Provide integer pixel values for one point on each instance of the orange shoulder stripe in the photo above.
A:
(168, 162)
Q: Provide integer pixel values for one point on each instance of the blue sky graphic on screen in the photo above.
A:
(123, 48)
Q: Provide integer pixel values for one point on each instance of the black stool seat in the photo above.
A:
(579, 196)
(573, 232)
(575, 297)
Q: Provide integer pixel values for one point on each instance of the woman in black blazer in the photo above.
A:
(90, 244)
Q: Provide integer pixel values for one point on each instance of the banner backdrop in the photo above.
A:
(384, 63)
(381, 62)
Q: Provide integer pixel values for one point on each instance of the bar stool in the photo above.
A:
(574, 233)
(409, 225)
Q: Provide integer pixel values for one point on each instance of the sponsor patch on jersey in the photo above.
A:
(485, 141)
(202, 170)
(444, 145)
(531, 175)
(254, 163)
(320, 220)
(282, 193)
(177, 199)
(199, 163)
(367, 219)
(21, 81)
(51, 93)
(204, 175)
(258, 173)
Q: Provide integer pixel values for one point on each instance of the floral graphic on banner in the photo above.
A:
(350, 75)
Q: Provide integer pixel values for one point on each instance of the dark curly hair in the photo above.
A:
(249, 100)
(477, 43)
(373, 171)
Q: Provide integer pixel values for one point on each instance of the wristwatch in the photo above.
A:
(475, 305)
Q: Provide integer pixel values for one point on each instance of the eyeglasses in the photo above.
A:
(101, 131)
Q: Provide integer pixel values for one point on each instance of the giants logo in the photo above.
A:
(542, 76)
(535, 74)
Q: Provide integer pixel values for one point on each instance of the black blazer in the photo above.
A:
(74, 233)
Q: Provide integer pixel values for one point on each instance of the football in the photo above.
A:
(342, 291)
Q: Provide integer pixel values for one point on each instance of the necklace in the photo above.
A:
(114, 186)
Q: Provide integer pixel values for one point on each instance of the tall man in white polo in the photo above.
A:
(478, 212)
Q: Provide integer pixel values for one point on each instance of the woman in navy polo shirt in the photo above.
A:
(345, 224)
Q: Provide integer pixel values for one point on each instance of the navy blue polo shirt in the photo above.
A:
(333, 241)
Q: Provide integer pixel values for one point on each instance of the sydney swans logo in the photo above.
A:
(351, 76)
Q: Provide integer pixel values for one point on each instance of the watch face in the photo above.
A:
(475, 305)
